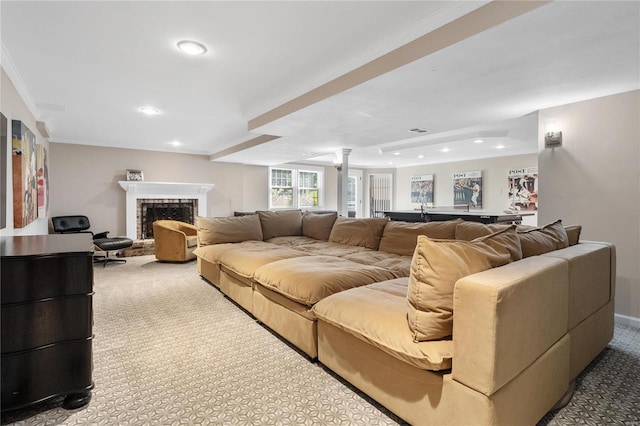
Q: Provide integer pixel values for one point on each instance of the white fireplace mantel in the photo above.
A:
(171, 190)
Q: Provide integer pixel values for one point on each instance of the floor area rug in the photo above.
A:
(170, 349)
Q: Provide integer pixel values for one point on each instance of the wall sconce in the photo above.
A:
(552, 138)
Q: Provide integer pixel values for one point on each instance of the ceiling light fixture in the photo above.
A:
(191, 47)
(445, 150)
(500, 147)
(175, 143)
(421, 156)
(478, 141)
(149, 110)
(396, 153)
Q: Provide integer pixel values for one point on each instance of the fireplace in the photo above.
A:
(172, 198)
(150, 210)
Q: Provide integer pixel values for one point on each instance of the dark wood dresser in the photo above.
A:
(47, 318)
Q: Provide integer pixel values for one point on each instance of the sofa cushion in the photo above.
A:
(538, 241)
(244, 262)
(219, 230)
(401, 237)
(192, 241)
(212, 253)
(398, 265)
(318, 226)
(309, 279)
(376, 313)
(438, 264)
(467, 230)
(365, 232)
(573, 234)
(280, 223)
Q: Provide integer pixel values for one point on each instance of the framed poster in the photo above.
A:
(422, 190)
(23, 158)
(523, 188)
(135, 175)
(467, 189)
(42, 163)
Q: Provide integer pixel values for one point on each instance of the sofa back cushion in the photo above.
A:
(401, 237)
(365, 232)
(282, 223)
(318, 226)
(538, 241)
(219, 230)
(467, 230)
(435, 268)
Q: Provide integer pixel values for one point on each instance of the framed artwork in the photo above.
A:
(3, 170)
(23, 158)
(523, 188)
(467, 189)
(422, 190)
(42, 172)
(135, 175)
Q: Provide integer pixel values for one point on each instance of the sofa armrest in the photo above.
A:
(505, 318)
(187, 229)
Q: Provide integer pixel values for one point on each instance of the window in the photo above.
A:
(295, 188)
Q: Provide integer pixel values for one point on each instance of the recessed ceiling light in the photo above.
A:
(390, 163)
(396, 153)
(421, 156)
(149, 110)
(500, 147)
(175, 143)
(191, 47)
(445, 150)
(478, 141)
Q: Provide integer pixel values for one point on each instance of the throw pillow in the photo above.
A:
(401, 237)
(435, 268)
(281, 223)
(219, 230)
(538, 241)
(318, 225)
(573, 234)
(358, 232)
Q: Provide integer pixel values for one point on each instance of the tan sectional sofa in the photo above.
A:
(518, 313)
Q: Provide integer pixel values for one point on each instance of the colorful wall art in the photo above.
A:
(422, 190)
(43, 181)
(523, 188)
(467, 189)
(23, 157)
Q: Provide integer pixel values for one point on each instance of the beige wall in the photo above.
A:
(495, 196)
(84, 180)
(594, 180)
(14, 108)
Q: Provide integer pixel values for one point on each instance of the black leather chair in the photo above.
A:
(77, 224)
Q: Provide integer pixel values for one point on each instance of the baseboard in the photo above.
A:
(627, 320)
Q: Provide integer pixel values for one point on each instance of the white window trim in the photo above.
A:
(297, 168)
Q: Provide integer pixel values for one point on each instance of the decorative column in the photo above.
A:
(343, 182)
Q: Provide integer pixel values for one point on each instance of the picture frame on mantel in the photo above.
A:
(135, 175)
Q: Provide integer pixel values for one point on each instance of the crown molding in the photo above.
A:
(12, 72)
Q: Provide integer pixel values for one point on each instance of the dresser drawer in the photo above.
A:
(55, 370)
(53, 276)
(33, 324)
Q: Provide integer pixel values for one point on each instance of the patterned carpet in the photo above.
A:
(169, 349)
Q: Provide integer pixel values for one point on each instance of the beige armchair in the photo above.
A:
(174, 241)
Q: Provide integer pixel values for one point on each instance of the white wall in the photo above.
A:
(14, 108)
(495, 186)
(594, 180)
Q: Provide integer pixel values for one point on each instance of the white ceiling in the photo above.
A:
(87, 67)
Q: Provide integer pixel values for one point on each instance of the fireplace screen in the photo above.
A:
(152, 210)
